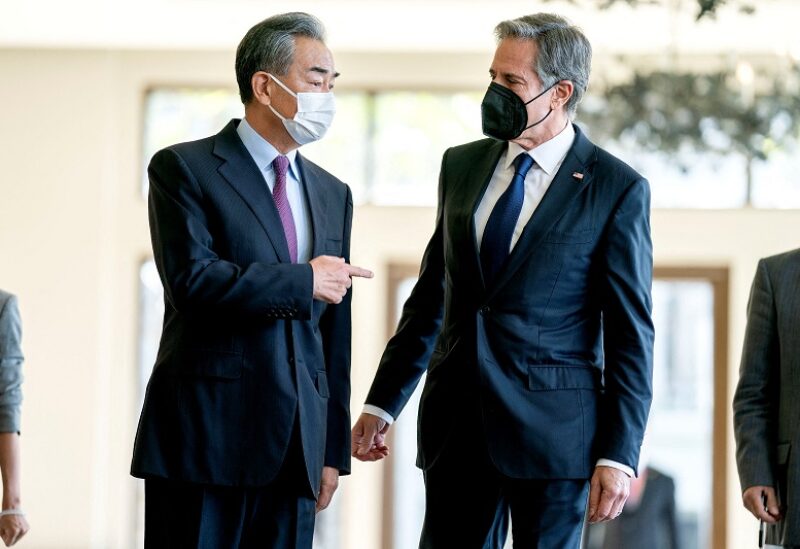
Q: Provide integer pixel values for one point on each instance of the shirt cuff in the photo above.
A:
(616, 465)
(380, 412)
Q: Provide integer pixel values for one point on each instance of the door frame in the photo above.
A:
(718, 277)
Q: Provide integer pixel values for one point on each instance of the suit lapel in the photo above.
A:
(480, 175)
(564, 188)
(310, 180)
(242, 173)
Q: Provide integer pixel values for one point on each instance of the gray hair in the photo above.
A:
(269, 46)
(564, 51)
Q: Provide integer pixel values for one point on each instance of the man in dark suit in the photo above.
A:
(246, 418)
(766, 414)
(531, 315)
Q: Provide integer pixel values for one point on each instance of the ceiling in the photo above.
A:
(389, 25)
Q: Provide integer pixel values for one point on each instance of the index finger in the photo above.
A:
(352, 270)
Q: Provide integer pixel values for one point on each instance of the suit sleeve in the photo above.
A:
(408, 352)
(754, 403)
(671, 515)
(336, 329)
(195, 279)
(10, 367)
(627, 328)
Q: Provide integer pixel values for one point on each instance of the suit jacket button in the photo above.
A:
(485, 310)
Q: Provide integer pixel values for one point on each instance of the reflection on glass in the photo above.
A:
(679, 436)
(677, 447)
(678, 443)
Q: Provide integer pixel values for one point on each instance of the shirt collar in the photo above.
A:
(262, 150)
(549, 155)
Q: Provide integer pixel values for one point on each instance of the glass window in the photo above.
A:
(388, 145)
(776, 183)
(174, 115)
(698, 181)
(680, 430)
(151, 315)
(675, 480)
(408, 488)
(412, 131)
(677, 447)
(344, 150)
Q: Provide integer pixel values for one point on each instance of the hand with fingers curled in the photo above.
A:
(12, 528)
(752, 499)
(608, 492)
(333, 277)
(369, 438)
(327, 486)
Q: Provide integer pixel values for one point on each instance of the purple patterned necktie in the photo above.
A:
(280, 165)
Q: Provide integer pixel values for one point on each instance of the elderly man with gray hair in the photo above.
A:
(531, 316)
(245, 427)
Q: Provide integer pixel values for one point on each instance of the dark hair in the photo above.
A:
(269, 46)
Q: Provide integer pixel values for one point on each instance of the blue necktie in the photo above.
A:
(496, 243)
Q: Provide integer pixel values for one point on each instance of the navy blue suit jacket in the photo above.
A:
(557, 352)
(245, 349)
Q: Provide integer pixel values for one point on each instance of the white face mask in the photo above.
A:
(314, 114)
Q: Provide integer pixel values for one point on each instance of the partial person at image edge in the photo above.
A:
(13, 523)
(766, 407)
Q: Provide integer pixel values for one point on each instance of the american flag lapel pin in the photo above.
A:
(578, 176)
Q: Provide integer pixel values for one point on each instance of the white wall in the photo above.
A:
(73, 231)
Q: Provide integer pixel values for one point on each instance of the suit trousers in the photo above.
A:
(468, 501)
(281, 515)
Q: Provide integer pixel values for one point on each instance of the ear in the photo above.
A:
(563, 91)
(258, 83)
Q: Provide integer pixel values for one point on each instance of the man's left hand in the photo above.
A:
(608, 492)
(327, 486)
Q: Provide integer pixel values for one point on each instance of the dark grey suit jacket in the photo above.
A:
(10, 363)
(766, 405)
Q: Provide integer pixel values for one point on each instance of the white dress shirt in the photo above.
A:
(263, 154)
(548, 158)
